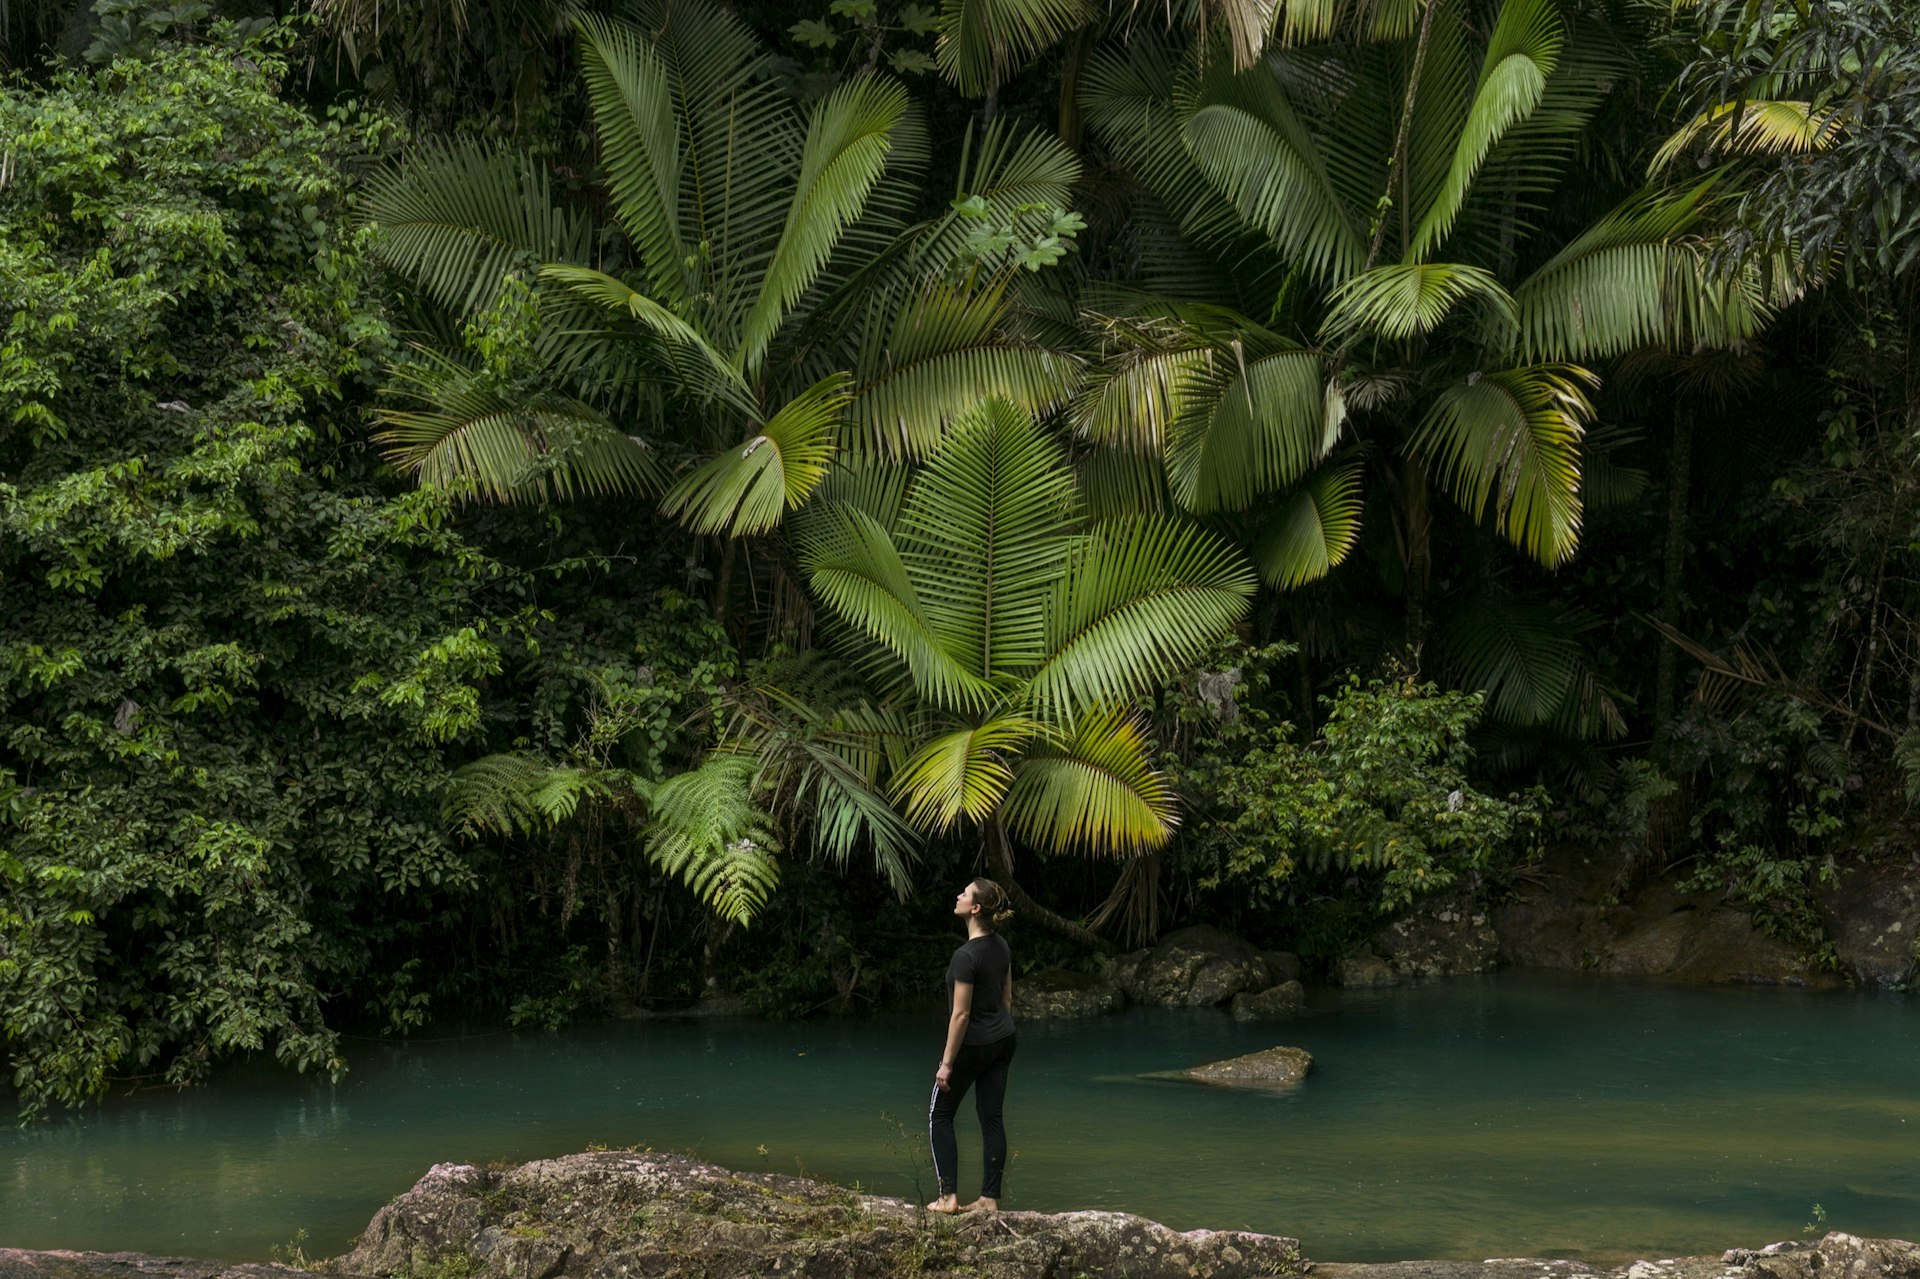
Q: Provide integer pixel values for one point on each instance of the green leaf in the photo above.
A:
(814, 33)
(1511, 440)
(964, 772)
(1141, 599)
(1521, 53)
(746, 490)
(1314, 528)
(846, 151)
(983, 41)
(1404, 300)
(1096, 793)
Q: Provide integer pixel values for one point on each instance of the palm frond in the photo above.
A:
(461, 215)
(1521, 54)
(983, 535)
(1096, 793)
(1770, 127)
(1633, 280)
(1313, 528)
(965, 772)
(616, 295)
(746, 490)
(640, 142)
(1258, 425)
(1141, 599)
(1529, 658)
(1406, 299)
(982, 41)
(946, 351)
(1130, 399)
(475, 438)
(1511, 440)
(853, 565)
(1251, 144)
(846, 151)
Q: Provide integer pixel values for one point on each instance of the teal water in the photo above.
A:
(1486, 1117)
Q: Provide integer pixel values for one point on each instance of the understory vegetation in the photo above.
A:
(512, 513)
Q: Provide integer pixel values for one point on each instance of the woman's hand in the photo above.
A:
(942, 1075)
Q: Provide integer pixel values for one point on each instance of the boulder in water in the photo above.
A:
(1365, 969)
(1271, 1004)
(1272, 1069)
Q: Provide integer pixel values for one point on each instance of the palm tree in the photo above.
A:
(1008, 639)
(768, 303)
(1379, 200)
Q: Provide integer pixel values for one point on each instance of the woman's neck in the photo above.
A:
(975, 931)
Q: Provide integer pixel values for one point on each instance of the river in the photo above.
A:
(1502, 1116)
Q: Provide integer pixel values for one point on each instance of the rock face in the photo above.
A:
(1838, 1256)
(18, 1264)
(1440, 938)
(648, 1216)
(1282, 966)
(1875, 922)
(1365, 969)
(1191, 968)
(1060, 993)
(1273, 1069)
(1659, 932)
(1273, 1004)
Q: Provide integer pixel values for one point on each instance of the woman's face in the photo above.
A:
(963, 905)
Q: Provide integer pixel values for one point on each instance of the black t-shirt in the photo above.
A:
(984, 961)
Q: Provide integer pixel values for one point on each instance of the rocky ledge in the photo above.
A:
(635, 1215)
(653, 1216)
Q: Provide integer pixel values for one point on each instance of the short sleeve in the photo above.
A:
(963, 968)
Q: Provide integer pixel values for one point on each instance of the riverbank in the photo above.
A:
(655, 1216)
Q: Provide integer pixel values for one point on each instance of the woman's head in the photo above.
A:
(984, 901)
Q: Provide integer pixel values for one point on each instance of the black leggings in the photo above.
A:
(985, 1065)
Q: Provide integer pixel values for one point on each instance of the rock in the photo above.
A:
(1838, 1256)
(1440, 938)
(651, 1216)
(1658, 931)
(16, 1263)
(1282, 966)
(1271, 1004)
(1272, 1069)
(719, 1006)
(1363, 970)
(1060, 993)
(1197, 968)
(1124, 972)
(1874, 918)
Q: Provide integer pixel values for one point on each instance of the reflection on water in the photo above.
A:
(1478, 1118)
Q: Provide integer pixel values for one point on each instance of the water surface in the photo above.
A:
(1484, 1117)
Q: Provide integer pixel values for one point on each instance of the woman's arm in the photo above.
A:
(956, 1030)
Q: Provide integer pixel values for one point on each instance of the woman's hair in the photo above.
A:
(992, 901)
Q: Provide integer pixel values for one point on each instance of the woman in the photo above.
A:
(980, 1044)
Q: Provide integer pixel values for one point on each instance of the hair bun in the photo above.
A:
(1002, 916)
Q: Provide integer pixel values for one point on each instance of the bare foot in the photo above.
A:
(983, 1204)
(948, 1204)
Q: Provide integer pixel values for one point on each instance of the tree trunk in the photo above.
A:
(1416, 520)
(1073, 125)
(1679, 466)
(999, 850)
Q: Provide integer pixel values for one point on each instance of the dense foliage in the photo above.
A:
(513, 512)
